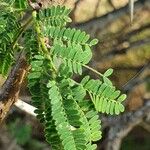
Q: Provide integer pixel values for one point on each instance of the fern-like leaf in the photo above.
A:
(73, 56)
(54, 16)
(8, 28)
(90, 118)
(74, 118)
(59, 115)
(31, 45)
(34, 85)
(105, 98)
(68, 34)
(15, 4)
(51, 133)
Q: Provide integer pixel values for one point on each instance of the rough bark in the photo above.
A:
(10, 90)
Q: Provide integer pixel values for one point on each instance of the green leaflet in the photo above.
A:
(73, 56)
(71, 45)
(108, 72)
(89, 117)
(104, 96)
(54, 16)
(40, 99)
(5, 63)
(68, 34)
(70, 139)
(36, 88)
(51, 133)
(19, 4)
(92, 125)
(79, 110)
(8, 28)
(31, 44)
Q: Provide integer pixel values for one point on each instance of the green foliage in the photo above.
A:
(68, 110)
(69, 35)
(31, 44)
(54, 16)
(104, 96)
(8, 29)
(14, 4)
(22, 133)
(71, 138)
(72, 55)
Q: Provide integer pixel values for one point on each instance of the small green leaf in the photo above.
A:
(79, 68)
(105, 103)
(115, 94)
(34, 75)
(39, 57)
(96, 136)
(122, 98)
(90, 114)
(87, 55)
(93, 42)
(121, 107)
(107, 81)
(108, 72)
(108, 107)
(85, 80)
(112, 108)
(67, 19)
(101, 89)
(117, 110)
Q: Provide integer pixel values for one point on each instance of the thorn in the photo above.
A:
(131, 5)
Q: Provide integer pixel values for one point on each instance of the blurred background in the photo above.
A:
(125, 47)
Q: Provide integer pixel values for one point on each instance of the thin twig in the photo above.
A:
(93, 70)
(25, 107)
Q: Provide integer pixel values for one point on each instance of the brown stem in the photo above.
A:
(11, 88)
